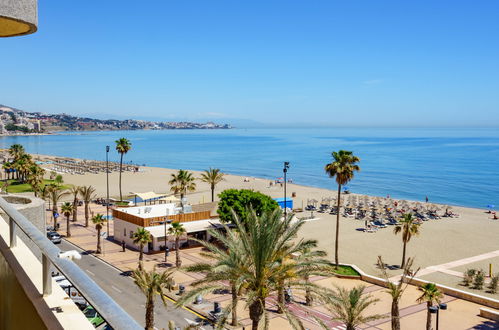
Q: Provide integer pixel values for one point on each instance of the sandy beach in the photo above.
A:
(441, 242)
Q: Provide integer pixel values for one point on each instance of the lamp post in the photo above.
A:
(285, 170)
(167, 250)
(107, 188)
(435, 310)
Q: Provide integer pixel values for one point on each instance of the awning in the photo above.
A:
(170, 199)
(190, 227)
(147, 195)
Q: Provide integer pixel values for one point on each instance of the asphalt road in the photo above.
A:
(122, 289)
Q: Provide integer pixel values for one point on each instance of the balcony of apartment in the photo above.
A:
(30, 298)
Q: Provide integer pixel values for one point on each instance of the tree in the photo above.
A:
(262, 243)
(241, 201)
(177, 230)
(182, 183)
(141, 237)
(87, 194)
(75, 191)
(55, 193)
(343, 168)
(396, 289)
(9, 169)
(16, 150)
(99, 221)
(151, 284)
(67, 210)
(408, 227)
(431, 295)
(35, 178)
(213, 176)
(349, 306)
(122, 147)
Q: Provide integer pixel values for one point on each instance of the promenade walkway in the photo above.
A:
(459, 315)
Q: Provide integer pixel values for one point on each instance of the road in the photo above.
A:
(122, 289)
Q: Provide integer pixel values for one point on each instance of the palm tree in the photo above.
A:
(67, 210)
(432, 295)
(87, 194)
(396, 289)
(213, 176)
(122, 147)
(55, 193)
(151, 284)
(141, 237)
(75, 191)
(349, 306)
(35, 178)
(343, 168)
(408, 227)
(223, 273)
(98, 221)
(8, 168)
(263, 242)
(16, 150)
(177, 230)
(181, 183)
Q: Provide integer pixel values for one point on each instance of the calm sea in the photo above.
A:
(451, 166)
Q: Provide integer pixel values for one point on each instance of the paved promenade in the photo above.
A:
(459, 315)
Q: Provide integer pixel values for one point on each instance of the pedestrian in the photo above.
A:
(123, 245)
(426, 199)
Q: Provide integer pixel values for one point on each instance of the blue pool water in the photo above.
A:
(452, 166)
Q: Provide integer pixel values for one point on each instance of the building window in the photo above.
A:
(131, 234)
(124, 232)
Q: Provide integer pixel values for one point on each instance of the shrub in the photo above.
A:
(493, 283)
(468, 276)
(479, 280)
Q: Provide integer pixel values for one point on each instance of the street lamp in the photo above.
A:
(435, 310)
(107, 187)
(167, 250)
(285, 170)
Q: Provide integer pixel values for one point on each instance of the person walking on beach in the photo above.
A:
(426, 199)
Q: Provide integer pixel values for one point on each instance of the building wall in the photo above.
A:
(16, 310)
(122, 232)
(34, 210)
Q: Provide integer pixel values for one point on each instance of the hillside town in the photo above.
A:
(17, 122)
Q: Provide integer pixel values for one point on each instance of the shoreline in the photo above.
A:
(332, 192)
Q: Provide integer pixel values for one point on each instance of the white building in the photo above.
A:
(156, 219)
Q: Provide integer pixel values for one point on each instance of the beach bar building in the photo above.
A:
(157, 220)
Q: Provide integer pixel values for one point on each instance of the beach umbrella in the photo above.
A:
(490, 206)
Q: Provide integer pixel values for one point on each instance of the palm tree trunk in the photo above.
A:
(87, 213)
(178, 262)
(75, 210)
(150, 312)
(428, 316)
(336, 243)
(350, 327)
(68, 231)
(395, 315)
(308, 295)
(212, 193)
(121, 170)
(403, 255)
(280, 297)
(256, 312)
(141, 252)
(98, 242)
(234, 305)
(54, 211)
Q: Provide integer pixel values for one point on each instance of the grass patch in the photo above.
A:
(122, 203)
(19, 187)
(346, 270)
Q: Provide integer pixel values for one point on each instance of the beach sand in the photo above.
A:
(441, 241)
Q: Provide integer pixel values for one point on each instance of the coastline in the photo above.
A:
(440, 242)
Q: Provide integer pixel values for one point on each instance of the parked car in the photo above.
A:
(71, 291)
(92, 316)
(54, 237)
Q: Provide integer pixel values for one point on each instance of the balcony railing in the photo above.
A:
(114, 315)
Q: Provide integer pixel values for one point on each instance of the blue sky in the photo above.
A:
(338, 63)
